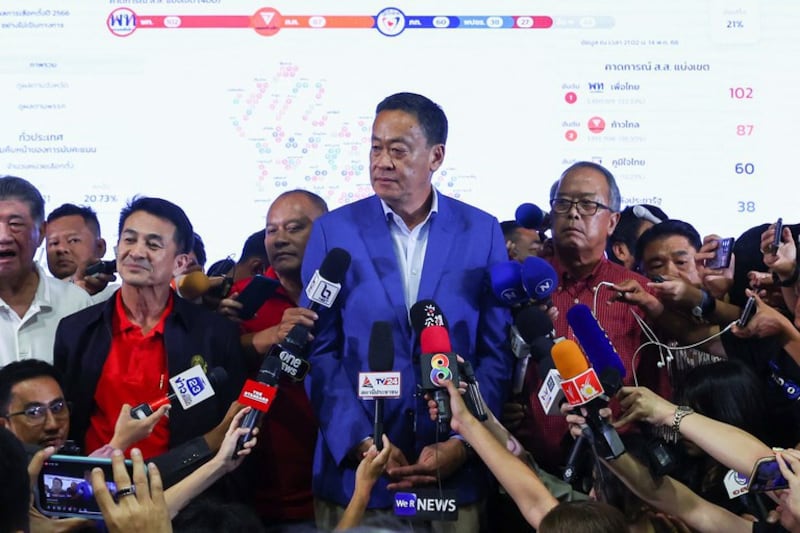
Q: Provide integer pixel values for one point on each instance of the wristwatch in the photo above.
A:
(790, 281)
(707, 305)
(680, 413)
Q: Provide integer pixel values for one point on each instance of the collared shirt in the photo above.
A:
(622, 329)
(410, 246)
(33, 335)
(135, 371)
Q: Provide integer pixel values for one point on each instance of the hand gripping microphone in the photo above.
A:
(258, 394)
(321, 291)
(381, 359)
(438, 364)
(190, 388)
(539, 279)
(506, 280)
(582, 388)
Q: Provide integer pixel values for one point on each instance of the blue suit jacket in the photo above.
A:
(462, 243)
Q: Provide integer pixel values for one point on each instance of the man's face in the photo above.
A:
(51, 430)
(20, 236)
(671, 256)
(401, 162)
(583, 233)
(71, 244)
(289, 223)
(146, 250)
(526, 244)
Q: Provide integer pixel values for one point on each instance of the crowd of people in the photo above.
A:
(705, 397)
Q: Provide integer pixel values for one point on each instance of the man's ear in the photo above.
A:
(612, 223)
(100, 248)
(621, 251)
(256, 265)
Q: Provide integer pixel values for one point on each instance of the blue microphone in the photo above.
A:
(539, 279)
(594, 340)
(530, 216)
(506, 280)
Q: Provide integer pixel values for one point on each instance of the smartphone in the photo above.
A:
(722, 255)
(64, 488)
(767, 476)
(747, 312)
(255, 294)
(102, 267)
(776, 240)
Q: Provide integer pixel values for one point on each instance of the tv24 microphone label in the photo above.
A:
(378, 385)
(192, 386)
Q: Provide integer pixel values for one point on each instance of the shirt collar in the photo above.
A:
(124, 323)
(565, 278)
(389, 213)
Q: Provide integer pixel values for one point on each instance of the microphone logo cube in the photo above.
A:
(322, 291)
(582, 388)
(192, 386)
(440, 370)
(378, 385)
(257, 395)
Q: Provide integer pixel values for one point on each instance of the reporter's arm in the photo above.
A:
(370, 468)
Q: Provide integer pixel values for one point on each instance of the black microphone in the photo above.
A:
(473, 395)
(531, 336)
(196, 386)
(381, 359)
(424, 314)
(321, 291)
(258, 395)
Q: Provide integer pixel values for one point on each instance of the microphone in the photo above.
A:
(424, 314)
(539, 279)
(473, 396)
(381, 359)
(438, 364)
(322, 291)
(190, 387)
(506, 280)
(594, 341)
(532, 217)
(530, 336)
(582, 387)
(192, 285)
(642, 212)
(258, 394)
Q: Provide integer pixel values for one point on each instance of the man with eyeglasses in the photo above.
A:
(585, 207)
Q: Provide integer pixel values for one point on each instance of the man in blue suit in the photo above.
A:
(408, 243)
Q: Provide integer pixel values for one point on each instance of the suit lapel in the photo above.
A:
(440, 241)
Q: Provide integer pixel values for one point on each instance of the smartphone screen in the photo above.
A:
(776, 240)
(722, 255)
(64, 487)
(255, 294)
(767, 476)
(747, 312)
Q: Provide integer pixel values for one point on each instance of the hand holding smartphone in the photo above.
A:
(776, 239)
(722, 255)
(255, 294)
(767, 476)
(748, 311)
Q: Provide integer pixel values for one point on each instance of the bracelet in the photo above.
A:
(680, 413)
(790, 281)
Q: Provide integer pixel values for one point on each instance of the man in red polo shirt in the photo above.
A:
(282, 462)
(585, 207)
(126, 349)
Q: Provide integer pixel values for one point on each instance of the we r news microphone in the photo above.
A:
(258, 394)
(190, 387)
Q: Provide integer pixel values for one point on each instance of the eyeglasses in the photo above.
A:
(36, 414)
(584, 207)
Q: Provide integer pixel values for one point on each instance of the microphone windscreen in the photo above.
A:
(217, 376)
(506, 280)
(539, 278)
(533, 323)
(529, 216)
(594, 340)
(569, 359)
(424, 314)
(434, 339)
(381, 347)
(193, 285)
(335, 265)
(642, 212)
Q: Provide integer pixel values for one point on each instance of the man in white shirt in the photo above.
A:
(31, 303)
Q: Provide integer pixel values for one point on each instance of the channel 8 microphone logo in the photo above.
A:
(440, 370)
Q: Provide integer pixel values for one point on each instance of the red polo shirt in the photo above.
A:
(134, 372)
(544, 433)
(284, 455)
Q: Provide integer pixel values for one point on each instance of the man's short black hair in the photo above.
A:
(430, 116)
(667, 228)
(19, 371)
(158, 207)
(509, 227)
(199, 249)
(14, 188)
(254, 247)
(628, 227)
(15, 491)
(85, 212)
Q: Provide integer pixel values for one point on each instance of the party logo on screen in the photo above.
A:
(391, 22)
(122, 22)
